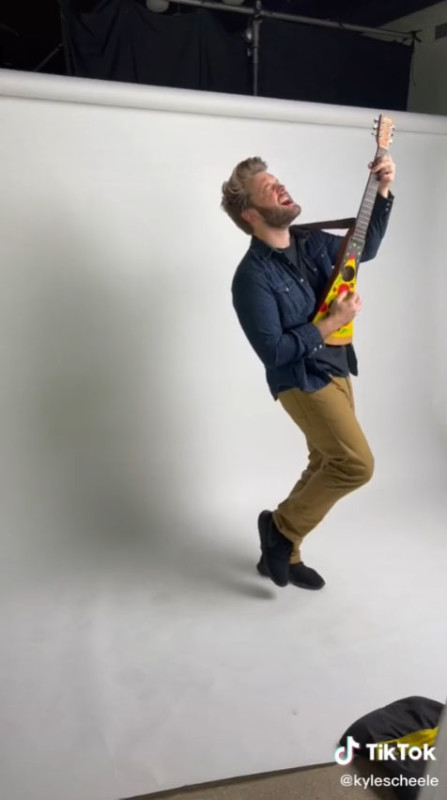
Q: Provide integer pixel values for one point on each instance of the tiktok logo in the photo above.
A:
(344, 755)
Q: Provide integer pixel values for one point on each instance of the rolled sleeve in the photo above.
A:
(374, 235)
(312, 337)
(377, 226)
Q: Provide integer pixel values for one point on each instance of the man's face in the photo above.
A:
(271, 201)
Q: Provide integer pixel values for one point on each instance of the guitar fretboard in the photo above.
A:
(367, 204)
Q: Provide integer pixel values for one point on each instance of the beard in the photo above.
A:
(279, 217)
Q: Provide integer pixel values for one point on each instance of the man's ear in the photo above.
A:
(249, 215)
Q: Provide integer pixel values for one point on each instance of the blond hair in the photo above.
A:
(236, 193)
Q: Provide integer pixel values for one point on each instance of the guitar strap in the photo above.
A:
(334, 224)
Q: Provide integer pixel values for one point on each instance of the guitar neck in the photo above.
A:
(367, 204)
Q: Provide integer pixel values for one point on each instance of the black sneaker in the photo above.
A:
(260, 566)
(299, 575)
(305, 577)
(276, 549)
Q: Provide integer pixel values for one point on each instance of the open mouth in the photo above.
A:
(285, 200)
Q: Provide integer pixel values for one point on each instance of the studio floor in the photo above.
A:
(317, 783)
(173, 663)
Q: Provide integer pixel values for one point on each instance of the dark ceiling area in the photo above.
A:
(30, 32)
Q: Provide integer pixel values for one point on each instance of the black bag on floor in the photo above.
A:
(410, 722)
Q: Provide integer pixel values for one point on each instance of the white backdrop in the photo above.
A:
(139, 442)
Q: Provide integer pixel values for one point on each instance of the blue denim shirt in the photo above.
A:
(275, 303)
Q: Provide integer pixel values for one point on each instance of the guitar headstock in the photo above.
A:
(383, 130)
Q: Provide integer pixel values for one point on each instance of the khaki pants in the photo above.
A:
(339, 458)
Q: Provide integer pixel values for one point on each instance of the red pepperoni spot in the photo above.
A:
(343, 288)
(324, 308)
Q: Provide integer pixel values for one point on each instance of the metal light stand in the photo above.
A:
(258, 13)
(256, 27)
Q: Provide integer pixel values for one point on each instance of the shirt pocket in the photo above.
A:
(292, 302)
(322, 262)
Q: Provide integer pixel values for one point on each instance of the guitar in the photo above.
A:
(344, 274)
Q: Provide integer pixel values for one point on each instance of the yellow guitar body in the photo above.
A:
(345, 281)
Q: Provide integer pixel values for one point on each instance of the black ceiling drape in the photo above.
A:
(327, 65)
(121, 40)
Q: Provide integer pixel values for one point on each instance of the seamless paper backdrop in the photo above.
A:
(139, 441)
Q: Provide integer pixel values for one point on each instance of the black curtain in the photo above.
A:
(198, 49)
(329, 65)
(121, 40)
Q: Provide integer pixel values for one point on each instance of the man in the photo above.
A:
(275, 290)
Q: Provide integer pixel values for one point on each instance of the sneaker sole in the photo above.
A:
(264, 574)
(306, 586)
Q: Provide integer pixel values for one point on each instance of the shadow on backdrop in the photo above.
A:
(102, 443)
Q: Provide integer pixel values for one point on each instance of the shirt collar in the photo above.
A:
(267, 250)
